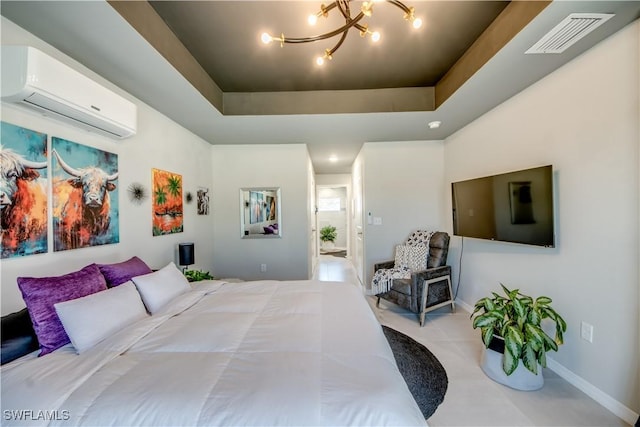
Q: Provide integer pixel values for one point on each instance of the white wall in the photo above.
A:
(153, 147)
(403, 185)
(582, 119)
(336, 180)
(242, 166)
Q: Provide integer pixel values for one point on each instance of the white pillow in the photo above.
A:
(160, 287)
(91, 319)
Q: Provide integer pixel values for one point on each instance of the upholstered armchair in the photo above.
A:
(427, 289)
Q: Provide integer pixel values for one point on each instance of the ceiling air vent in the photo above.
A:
(569, 31)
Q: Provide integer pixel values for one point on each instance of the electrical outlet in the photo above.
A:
(586, 331)
(263, 267)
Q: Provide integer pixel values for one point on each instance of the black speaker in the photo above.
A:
(186, 253)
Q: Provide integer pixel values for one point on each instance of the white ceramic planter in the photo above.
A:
(328, 245)
(520, 379)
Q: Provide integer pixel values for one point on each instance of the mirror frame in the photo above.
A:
(256, 212)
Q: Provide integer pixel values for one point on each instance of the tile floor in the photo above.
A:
(472, 399)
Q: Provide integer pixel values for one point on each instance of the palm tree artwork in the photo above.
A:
(167, 202)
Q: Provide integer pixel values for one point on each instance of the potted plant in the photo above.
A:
(328, 236)
(511, 324)
(197, 275)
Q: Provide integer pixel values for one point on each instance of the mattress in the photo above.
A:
(262, 353)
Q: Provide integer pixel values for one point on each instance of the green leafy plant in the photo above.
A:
(328, 233)
(197, 275)
(516, 318)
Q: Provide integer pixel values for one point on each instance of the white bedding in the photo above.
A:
(261, 353)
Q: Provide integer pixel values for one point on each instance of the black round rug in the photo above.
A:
(423, 373)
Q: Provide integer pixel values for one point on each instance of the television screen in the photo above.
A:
(511, 207)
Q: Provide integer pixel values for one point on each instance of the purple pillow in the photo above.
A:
(119, 273)
(268, 230)
(41, 293)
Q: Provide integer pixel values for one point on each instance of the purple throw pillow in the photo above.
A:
(41, 293)
(119, 273)
(268, 230)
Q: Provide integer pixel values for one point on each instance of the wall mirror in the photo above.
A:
(260, 213)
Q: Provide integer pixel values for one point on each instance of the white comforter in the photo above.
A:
(256, 353)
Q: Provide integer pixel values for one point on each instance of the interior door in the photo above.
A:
(359, 256)
(358, 225)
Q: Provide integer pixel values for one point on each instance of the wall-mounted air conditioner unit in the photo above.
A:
(33, 79)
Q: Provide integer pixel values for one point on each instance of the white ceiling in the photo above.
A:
(94, 34)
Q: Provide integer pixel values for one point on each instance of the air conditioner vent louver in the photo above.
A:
(71, 114)
(569, 31)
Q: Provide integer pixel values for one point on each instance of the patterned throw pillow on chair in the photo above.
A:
(419, 237)
(413, 257)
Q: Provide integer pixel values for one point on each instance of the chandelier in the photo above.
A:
(350, 22)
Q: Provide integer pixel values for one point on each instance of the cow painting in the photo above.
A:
(23, 203)
(83, 209)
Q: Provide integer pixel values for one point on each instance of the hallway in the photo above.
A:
(331, 268)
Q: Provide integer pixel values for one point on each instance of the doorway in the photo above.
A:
(333, 215)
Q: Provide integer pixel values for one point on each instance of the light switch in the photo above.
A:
(377, 220)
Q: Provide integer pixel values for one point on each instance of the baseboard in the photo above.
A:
(583, 385)
(466, 307)
(593, 392)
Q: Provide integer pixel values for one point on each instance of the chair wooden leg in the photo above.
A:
(425, 289)
(453, 304)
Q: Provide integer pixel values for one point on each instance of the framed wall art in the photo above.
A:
(167, 203)
(23, 191)
(202, 196)
(260, 212)
(85, 196)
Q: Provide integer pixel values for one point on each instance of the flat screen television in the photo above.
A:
(510, 207)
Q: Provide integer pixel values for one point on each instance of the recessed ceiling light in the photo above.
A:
(333, 158)
(435, 124)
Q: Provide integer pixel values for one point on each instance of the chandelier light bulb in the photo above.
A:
(266, 38)
(312, 19)
(375, 36)
(319, 61)
(417, 23)
(367, 8)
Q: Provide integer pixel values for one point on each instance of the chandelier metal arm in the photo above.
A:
(328, 35)
(344, 8)
(401, 5)
(342, 38)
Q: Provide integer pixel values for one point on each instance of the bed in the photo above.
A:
(266, 353)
